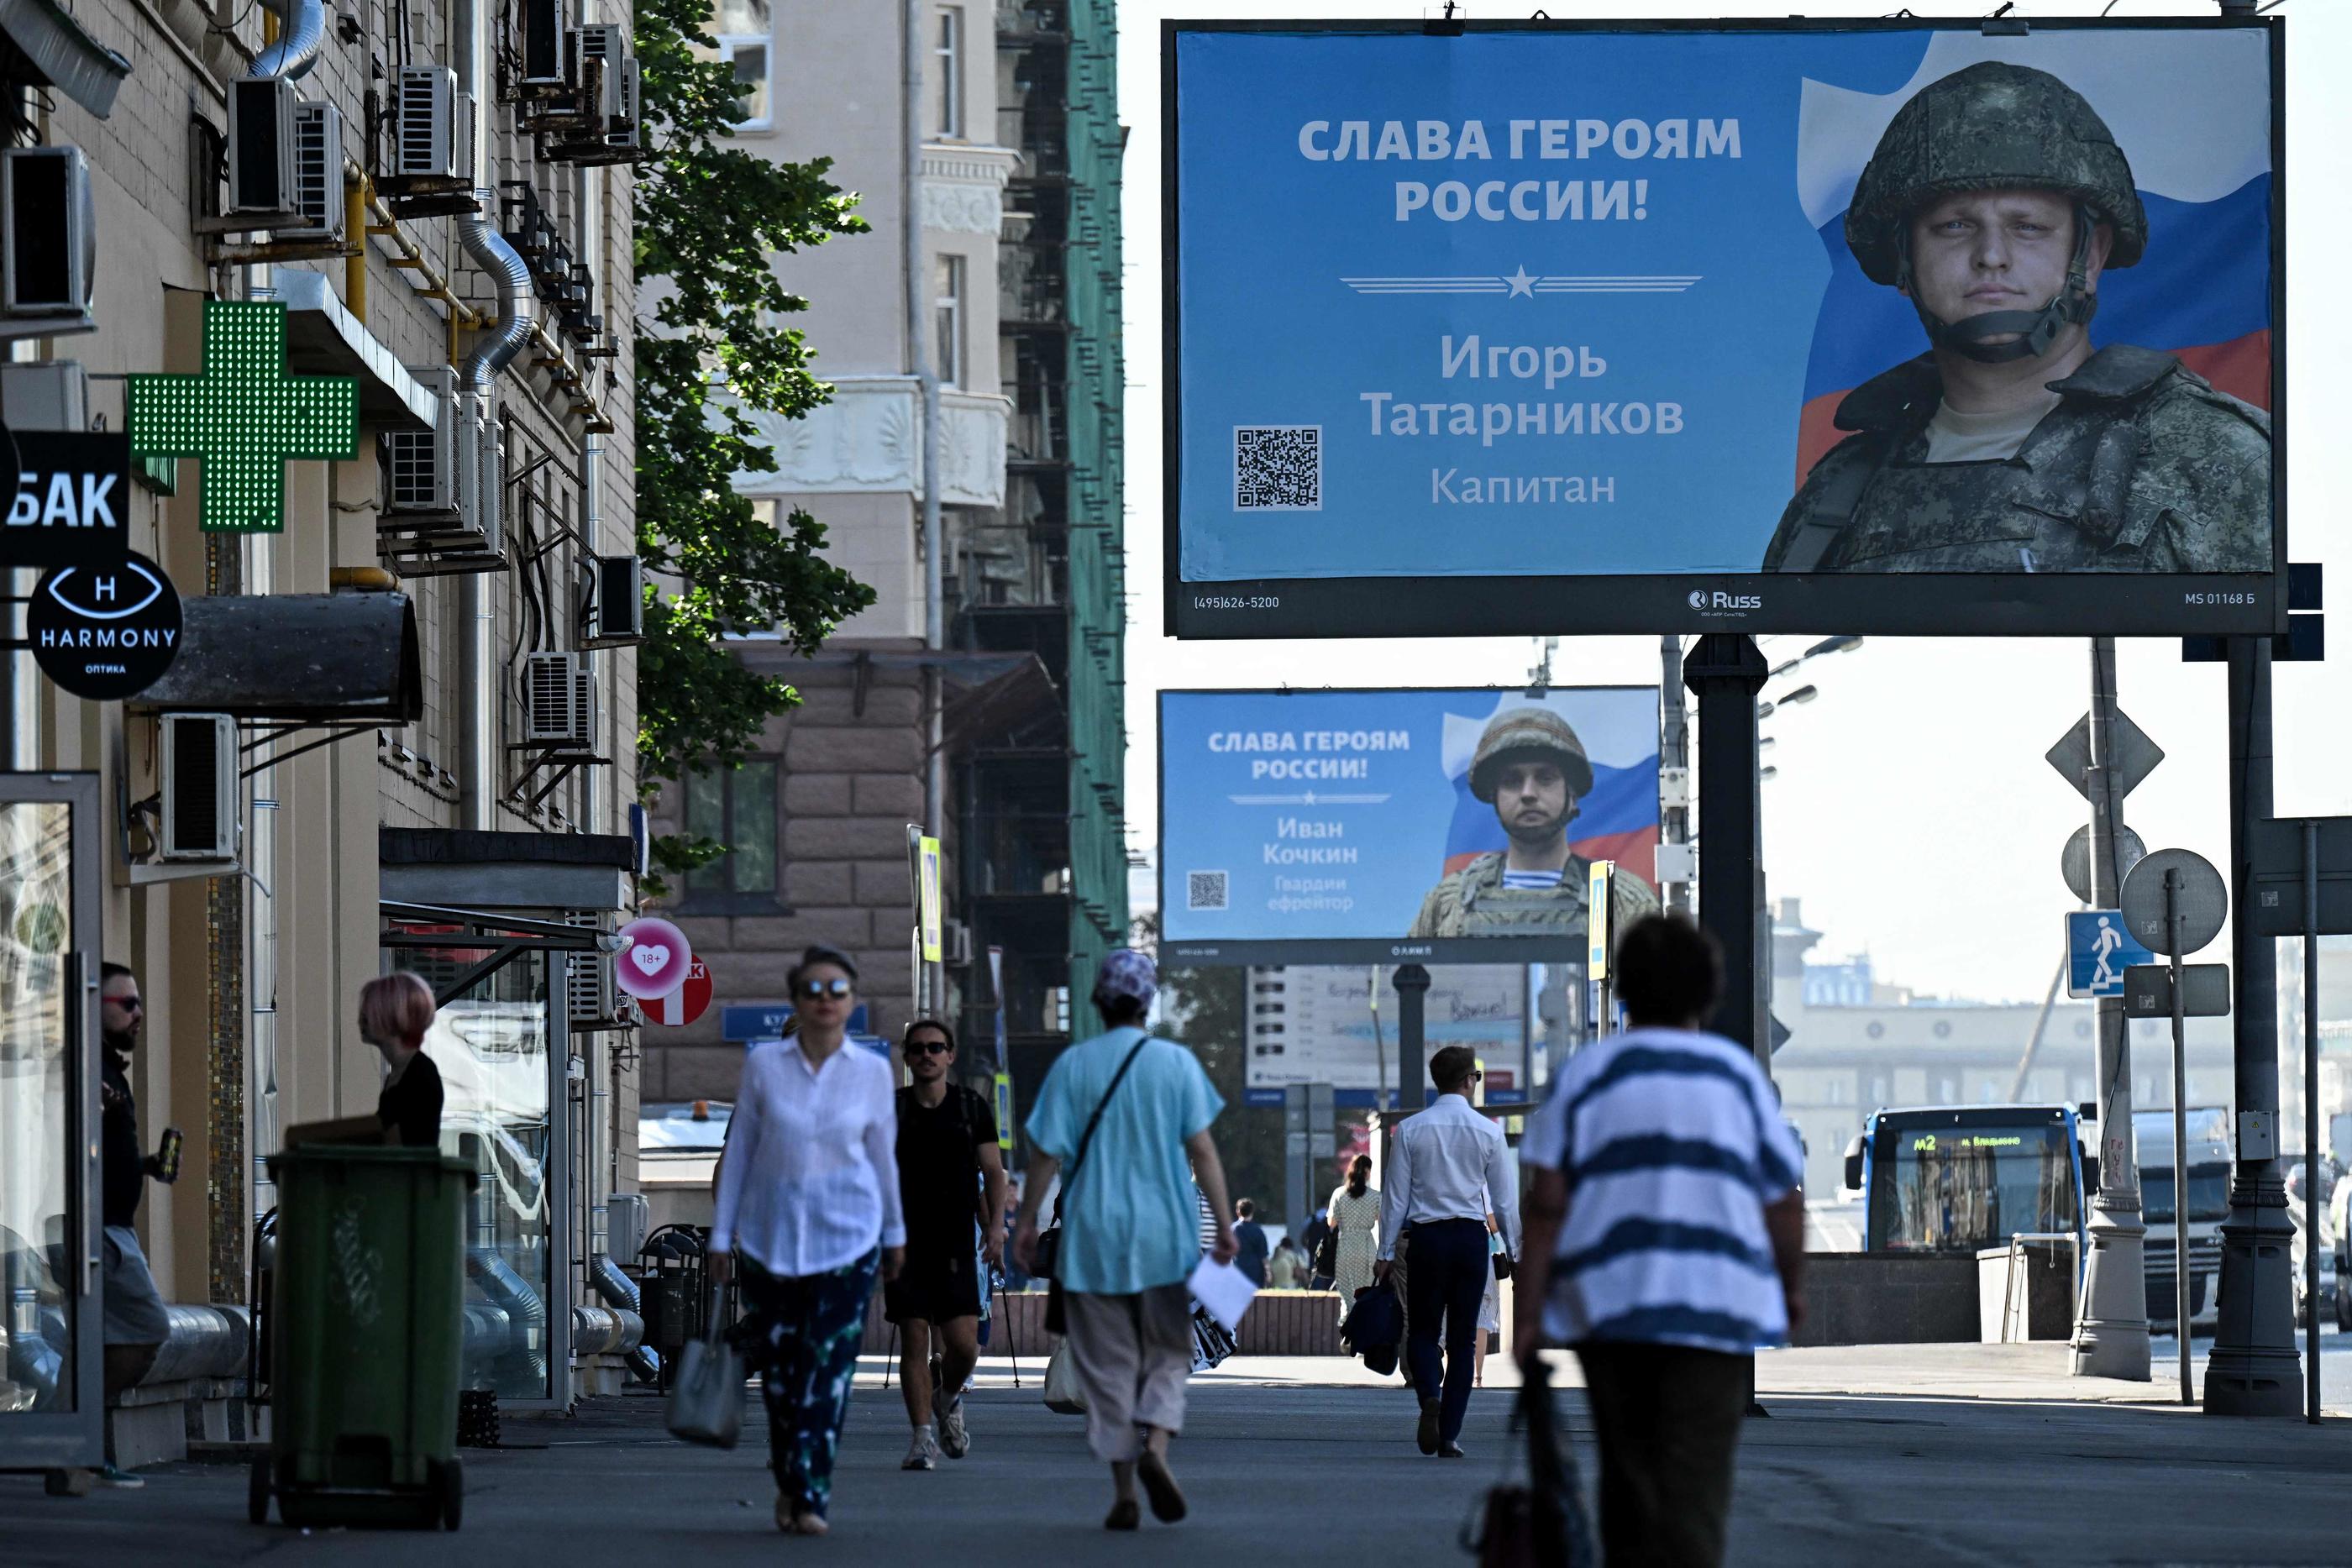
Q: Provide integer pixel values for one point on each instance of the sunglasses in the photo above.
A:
(836, 989)
(929, 1047)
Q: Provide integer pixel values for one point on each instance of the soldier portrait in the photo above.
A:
(1532, 770)
(1995, 203)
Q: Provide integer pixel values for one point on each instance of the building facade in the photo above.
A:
(399, 730)
(992, 717)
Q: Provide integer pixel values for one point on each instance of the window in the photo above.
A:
(743, 32)
(736, 806)
(947, 312)
(948, 100)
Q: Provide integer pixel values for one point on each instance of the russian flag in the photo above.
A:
(1618, 821)
(2189, 109)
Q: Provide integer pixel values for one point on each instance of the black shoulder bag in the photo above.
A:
(1049, 1243)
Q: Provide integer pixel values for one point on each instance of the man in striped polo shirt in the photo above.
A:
(1665, 1243)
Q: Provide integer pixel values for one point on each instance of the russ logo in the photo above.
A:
(1699, 599)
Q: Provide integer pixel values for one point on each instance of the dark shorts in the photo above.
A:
(940, 1282)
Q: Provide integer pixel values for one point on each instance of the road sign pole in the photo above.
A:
(2251, 1368)
(2311, 1118)
(2173, 924)
(2111, 1328)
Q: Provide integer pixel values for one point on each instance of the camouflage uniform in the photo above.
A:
(1473, 902)
(2142, 467)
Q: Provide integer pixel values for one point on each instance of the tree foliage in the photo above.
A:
(714, 353)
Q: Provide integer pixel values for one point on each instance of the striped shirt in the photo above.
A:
(1673, 1143)
(1531, 880)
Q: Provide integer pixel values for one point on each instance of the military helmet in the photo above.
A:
(1530, 732)
(1990, 127)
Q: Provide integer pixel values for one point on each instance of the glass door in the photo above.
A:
(497, 1039)
(51, 1405)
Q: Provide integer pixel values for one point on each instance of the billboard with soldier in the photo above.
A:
(1892, 326)
(1454, 826)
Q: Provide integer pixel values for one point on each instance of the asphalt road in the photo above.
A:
(1295, 1473)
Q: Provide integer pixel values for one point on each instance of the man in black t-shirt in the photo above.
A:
(135, 1323)
(951, 1174)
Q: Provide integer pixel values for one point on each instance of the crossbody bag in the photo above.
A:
(1048, 1253)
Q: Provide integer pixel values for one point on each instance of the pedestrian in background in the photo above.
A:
(135, 1323)
(950, 1181)
(1355, 1210)
(1141, 1108)
(1447, 1168)
(1321, 1250)
(1252, 1237)
(1666, 1242)
(1286, 1268)
(395, 1012)
(807, 1214)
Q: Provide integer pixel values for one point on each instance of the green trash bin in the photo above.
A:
(365, 1326)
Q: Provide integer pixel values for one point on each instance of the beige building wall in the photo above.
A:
(325, 807)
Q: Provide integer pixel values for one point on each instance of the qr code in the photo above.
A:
(1278, 467)
(1204, 889)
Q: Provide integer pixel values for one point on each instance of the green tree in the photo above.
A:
(713, 353)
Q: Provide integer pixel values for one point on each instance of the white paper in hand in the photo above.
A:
(1224, 1290)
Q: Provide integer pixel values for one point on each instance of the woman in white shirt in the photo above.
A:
(807, 1214)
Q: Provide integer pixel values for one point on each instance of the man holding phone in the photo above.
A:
(136, 1324)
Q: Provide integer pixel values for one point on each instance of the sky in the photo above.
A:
(1912, 812)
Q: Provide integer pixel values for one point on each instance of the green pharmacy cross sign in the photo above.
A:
(245, 417)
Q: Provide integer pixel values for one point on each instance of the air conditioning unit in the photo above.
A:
(318, 173)
(607, 132)
(261, 161)
(199, 796)
(481, 491)
(592, 999)
(541, 74)
(616, 602)
(421, 465)
(559, 702)
(428, 145)
(955, 943)
(48, 235)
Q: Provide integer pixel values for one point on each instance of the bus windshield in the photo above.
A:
(1953, 1189)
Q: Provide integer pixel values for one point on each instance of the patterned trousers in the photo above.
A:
(801, 1335)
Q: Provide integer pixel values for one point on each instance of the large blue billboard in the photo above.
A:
(1897, 327)
(1451, 826)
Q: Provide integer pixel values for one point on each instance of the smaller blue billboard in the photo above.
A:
(1454, 826)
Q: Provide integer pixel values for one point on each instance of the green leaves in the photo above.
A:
(709, 220)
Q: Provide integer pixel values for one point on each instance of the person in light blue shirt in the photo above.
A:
(1131, 1227)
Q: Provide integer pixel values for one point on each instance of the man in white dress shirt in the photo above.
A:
(1448, 1171)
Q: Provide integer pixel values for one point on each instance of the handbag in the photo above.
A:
(1064, 1394)
(705, 1401)
(1539, 1524)
(1048, 1254)
(1326, 1255)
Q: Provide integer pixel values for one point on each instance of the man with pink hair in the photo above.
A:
(395, 1012)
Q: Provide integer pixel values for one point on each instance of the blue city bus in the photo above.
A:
(1955, 1178)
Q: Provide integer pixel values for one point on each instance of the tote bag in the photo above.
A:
(706, 1403)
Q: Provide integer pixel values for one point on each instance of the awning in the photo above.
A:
(41, 42)
(466, 868)
(323, 338)
(304, 658)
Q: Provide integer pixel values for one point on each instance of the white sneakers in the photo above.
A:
(922, 1453)
(954, 1436)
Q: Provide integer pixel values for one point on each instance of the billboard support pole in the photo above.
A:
(1413, 1044)
(2111, 1326)
(2251, 1368)
(1726, 670)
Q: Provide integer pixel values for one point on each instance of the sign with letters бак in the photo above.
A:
(1535, 325)
(73, 493)
(105, 633)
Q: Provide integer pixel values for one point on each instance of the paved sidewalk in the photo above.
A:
(1969, 1459)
